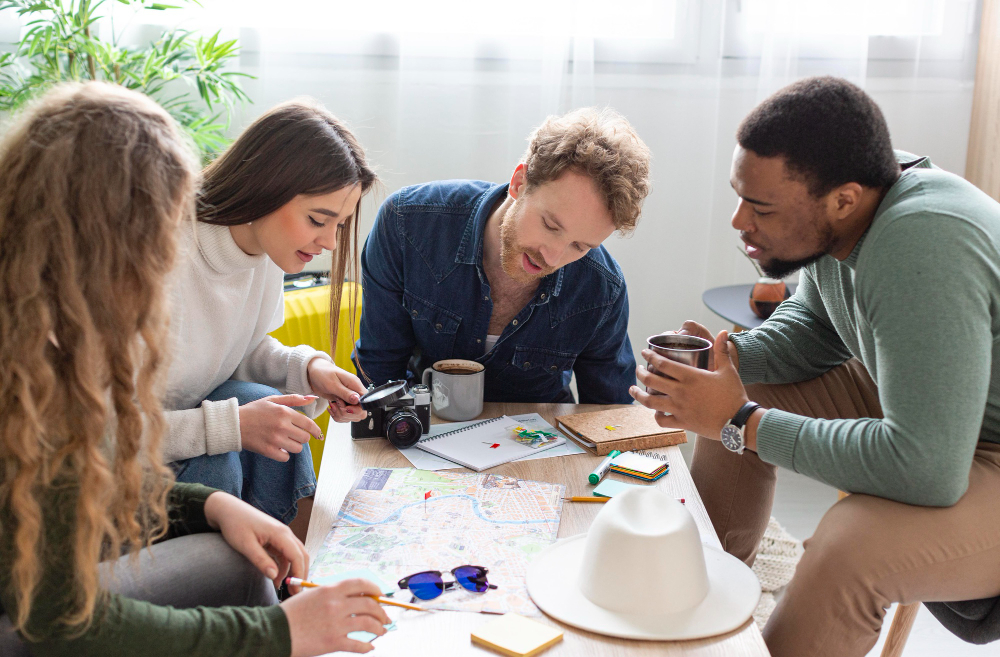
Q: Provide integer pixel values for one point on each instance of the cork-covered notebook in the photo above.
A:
(624, 429)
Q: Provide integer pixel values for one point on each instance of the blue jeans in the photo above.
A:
(271, 486)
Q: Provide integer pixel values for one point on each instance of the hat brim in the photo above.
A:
(732, 597)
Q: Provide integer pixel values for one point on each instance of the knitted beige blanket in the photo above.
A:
(777, 556)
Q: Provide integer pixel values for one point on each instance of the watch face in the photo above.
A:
(732, 438)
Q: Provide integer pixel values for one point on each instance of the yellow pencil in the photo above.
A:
(404, 605)
(377, 598)
(601, 499)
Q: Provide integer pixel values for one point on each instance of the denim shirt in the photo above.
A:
(426, 298)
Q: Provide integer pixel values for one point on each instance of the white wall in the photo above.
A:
(471, 121)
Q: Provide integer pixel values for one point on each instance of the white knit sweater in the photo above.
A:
(223, 304)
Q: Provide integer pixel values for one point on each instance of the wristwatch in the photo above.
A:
(732, 434)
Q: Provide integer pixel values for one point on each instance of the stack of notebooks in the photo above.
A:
(647, 466)
(622, 429)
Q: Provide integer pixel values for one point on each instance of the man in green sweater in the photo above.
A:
(880, 376)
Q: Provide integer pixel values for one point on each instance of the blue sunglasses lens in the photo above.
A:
(426, 586)
(471, 578)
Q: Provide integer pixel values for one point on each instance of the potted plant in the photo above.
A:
(186, 73)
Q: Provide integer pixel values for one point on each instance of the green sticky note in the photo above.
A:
(610, 488)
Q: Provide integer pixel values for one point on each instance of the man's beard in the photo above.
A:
(781, 268)
(510, 251)
(778, 268)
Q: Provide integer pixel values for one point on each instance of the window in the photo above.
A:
(644, 31)
(821, 29)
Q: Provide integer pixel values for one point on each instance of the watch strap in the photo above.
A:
(744, 414)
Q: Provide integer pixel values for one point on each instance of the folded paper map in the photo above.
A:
(391, 526)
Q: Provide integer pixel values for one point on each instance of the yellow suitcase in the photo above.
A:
(307, 322)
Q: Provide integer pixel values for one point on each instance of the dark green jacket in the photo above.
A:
(124, 626)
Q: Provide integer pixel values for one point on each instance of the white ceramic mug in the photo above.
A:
(456, 388)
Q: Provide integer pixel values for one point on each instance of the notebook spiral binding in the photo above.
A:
(471, 426)
(652, 455)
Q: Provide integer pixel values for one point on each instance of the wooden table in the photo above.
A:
(447, 633)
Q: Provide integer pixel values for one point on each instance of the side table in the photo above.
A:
(732, 303)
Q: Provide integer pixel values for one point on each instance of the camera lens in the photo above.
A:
(403, 428)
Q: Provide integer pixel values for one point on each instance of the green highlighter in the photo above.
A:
(601, 470)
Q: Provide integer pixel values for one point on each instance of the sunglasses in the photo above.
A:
(429, 584)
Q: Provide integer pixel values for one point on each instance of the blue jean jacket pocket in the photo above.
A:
(434, 327)
(536, 361)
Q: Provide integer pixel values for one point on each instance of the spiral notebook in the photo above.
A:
(648, 466)
(489, 443)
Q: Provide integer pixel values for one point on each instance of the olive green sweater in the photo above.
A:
(124, 626)
(918, 302)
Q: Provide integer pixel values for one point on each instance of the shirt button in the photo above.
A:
(486, 298)
(514, 322)
(553, 368)
(543, 295)
(414, 313)
(478, 341)
(438, 327)
(527, 364)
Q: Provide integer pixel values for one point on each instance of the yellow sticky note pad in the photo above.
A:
(516, 636)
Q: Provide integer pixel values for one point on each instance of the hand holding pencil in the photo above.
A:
(321, 617)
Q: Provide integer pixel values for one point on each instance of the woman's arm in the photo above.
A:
(211, 428)
(126, 626)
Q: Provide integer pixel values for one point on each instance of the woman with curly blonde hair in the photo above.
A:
(94, 184)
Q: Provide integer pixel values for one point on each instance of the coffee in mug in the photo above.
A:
(457, 388)
(448, 367)
(687, 349)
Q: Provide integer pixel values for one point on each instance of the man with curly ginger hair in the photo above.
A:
(513, 276)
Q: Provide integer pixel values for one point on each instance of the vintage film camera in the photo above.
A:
(396, 412)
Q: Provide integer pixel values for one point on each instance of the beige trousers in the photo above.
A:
(867, 552)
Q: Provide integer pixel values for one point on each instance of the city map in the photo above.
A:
(388, 527)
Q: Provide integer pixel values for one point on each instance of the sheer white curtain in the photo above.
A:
(440, 89)
(554, 43)
(846, 37)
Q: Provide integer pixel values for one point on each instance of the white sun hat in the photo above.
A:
(641, 572)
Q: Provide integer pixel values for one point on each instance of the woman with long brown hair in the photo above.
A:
(287, 189)
(94, 184)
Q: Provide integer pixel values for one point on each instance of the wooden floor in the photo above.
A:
(799, 504)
